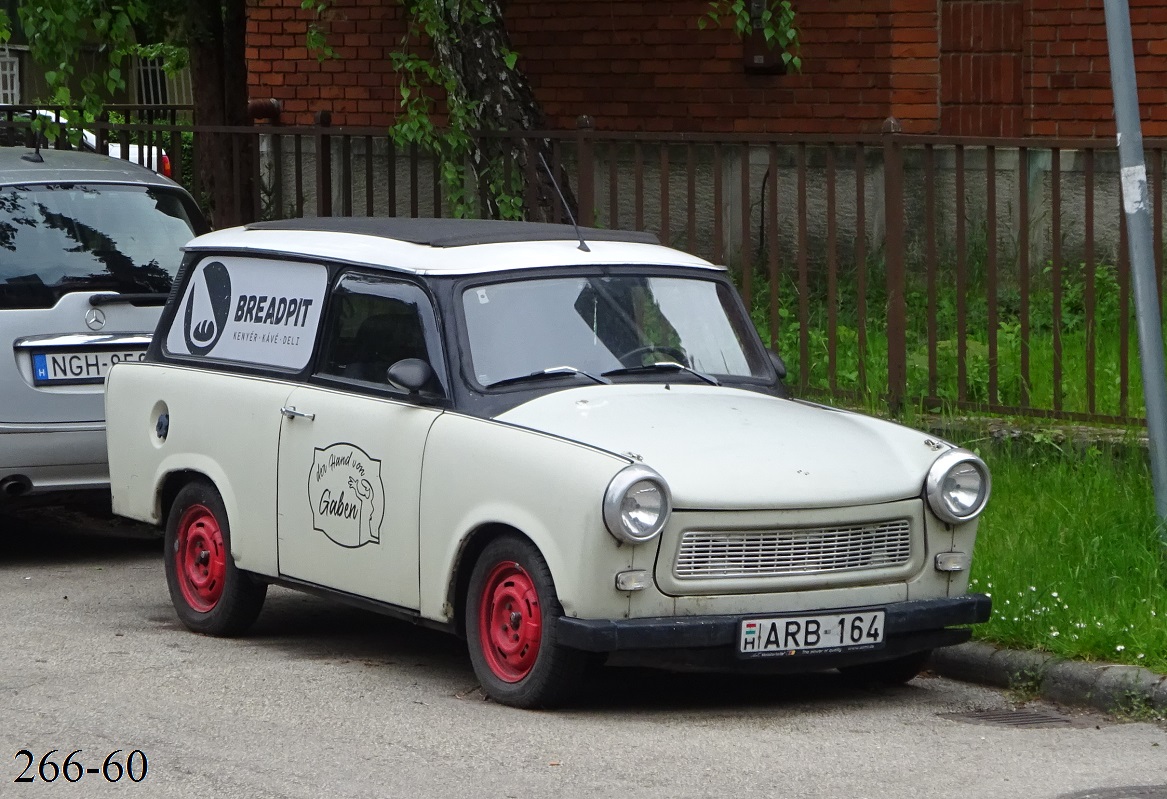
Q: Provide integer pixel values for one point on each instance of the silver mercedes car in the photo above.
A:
(89, 246)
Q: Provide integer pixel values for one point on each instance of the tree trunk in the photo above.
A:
(226, 167)
(475, 54)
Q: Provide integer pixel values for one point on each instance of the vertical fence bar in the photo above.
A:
(249, 147)
(961, 283)
(772, 240)
(893, 198)
(691, 195)
(1088, 213)
(277, 175)
(346, 175)
(176, 156)
(803, 277)
(638, 170)
(1023, 268)
(747, 271)
(991, 267)
(586, 194)
(370, 205)
(718, 236)
(323, 165)
(1056, 270)
(614, 187)
(239, 175)
(436, 183)
(861, 260)
(665, 226)
(414, 182)
(298, 173)
(832, 276)
(557, 169)
(931, 265)
(530, 169)
(391, 177)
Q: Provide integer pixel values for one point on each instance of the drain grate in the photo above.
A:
(1012, 718)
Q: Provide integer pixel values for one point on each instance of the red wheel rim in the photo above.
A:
(510, 623)
(199, 558)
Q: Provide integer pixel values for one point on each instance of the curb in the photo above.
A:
(1103, 686)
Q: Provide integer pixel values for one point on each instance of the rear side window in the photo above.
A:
(55, 239)
(249, 310)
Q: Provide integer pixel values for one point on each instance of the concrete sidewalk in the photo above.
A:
(1104, 686)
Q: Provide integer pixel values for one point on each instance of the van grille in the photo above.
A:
(803, 550)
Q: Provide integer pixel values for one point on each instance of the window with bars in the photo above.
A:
(152, 88)
(9, 79)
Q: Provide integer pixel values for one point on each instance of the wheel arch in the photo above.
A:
(174, 482)
(471, 548)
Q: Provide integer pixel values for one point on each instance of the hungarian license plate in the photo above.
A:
(799, 635)
(60, 367)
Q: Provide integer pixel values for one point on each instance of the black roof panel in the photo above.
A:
(452, 232)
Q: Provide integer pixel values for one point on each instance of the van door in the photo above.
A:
(351, 446)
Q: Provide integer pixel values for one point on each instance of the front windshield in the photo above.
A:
(603, 324)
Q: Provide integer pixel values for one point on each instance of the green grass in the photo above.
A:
(1069, 550)
(862, 372)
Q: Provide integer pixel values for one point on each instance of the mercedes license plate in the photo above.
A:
(58, 367)
(799, 635)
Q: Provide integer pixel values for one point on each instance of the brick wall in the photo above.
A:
(358, 87)
(1067, 70)
(968, 67)
(981, 67)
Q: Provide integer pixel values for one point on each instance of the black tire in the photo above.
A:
(896, 671)
(209, 593)
(516, 658)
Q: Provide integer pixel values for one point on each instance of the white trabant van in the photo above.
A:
(558, 443)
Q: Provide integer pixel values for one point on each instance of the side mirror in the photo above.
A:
(779, 364)
(409, 375)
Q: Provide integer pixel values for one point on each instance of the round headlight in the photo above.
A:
(958, 486)
(636, 504)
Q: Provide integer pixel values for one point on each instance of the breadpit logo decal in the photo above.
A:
(207, 307)
(250, 310)
(347, 495)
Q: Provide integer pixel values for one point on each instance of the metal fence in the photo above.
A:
(948, 274)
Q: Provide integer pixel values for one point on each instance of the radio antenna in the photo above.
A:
(582, 244)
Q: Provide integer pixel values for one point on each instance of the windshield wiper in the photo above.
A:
(672, 366)
(550, 371)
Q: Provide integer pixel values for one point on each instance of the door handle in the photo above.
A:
(292, 413)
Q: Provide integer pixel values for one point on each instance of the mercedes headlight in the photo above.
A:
(958, 486)
(637, 504)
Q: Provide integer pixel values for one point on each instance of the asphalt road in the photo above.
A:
(322, 700)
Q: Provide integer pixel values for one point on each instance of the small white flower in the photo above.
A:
(1054, 594)
(1141, 656)
(1119, 648)
(1054, 634)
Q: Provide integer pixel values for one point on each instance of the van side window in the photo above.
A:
(374, 323)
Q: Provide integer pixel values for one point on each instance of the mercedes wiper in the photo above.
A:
(672, 366)
(550, 371)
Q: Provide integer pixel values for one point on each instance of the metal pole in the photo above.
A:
(1138, 220)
